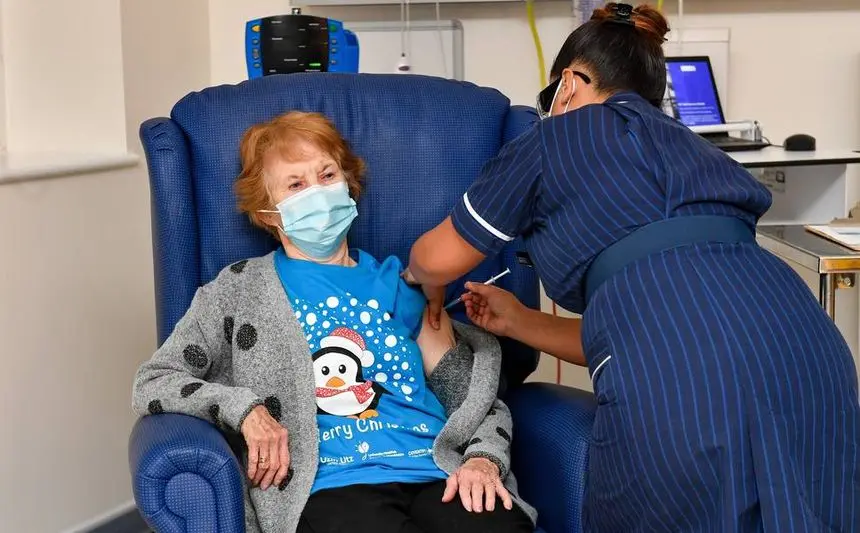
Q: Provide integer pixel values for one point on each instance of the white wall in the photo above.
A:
(64, 86)
(76, 297)
(75, 317)
(791, 68)
(76, 281)
(227, 34)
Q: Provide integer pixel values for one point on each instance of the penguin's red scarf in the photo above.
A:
(362, 391)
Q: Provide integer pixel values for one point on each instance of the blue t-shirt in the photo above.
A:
(377, 419)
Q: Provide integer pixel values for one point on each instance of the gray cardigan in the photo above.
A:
(239, 345)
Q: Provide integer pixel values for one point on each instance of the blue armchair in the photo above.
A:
(424, 140)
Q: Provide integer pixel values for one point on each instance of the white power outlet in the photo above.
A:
(773, 179)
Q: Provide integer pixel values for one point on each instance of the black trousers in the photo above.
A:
(403, 508)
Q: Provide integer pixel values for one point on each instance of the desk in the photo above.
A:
(834, 264)
(833, 267)
(816, 186)
(777, 157)
(815, 191)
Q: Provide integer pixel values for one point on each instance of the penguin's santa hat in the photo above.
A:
(350, 340)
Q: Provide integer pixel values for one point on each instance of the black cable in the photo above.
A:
(765, 139)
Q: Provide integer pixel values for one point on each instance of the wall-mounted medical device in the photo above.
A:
(285, 44)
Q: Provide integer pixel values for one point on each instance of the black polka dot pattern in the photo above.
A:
(504, 434)
(492, 411)
(195, 356)
(287, 479)
(237, 268)
(228, 328)
(246, 338)
(190, 388)
(155, 407)
(215, 413)
(273, 405)
(474, 441)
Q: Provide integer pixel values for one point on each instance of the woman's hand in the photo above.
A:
(435, 299)
(477, 482)
(268, 450)
(435, 343)
(494, 309)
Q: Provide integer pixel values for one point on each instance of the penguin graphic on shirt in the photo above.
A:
(340, 386)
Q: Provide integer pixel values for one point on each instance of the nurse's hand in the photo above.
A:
(435, 303)
(435, 299)
(494, 309)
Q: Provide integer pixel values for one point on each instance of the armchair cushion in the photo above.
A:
(424, 140)
(387, 121)
(185, 477)
(552, 429)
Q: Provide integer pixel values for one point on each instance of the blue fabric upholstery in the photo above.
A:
(186, 478)
(552, 427)
(424, 141)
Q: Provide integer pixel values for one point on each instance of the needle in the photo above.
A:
(491, 281)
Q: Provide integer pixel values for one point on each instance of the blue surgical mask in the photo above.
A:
(317, 219)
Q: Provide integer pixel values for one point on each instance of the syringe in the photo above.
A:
(491, 281)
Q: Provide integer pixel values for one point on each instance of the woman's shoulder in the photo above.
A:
(242, 273)
(370, 261)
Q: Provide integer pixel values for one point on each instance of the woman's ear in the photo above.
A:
(272, 220)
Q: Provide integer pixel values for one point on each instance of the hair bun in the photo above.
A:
(651, 22)
(648, 20)
(603, 13)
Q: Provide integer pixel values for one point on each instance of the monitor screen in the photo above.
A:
(691, 94)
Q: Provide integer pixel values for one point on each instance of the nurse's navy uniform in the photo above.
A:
(727, 399)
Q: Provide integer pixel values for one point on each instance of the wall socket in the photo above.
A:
(772, 178)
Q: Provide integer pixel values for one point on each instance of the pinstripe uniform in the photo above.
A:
(727, 399)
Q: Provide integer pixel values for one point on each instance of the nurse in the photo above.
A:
(727, 399)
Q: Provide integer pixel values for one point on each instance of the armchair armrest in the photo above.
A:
(552, 428)
(520, 118)
(185, 477)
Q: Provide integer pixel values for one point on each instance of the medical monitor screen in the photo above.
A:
(691, 94)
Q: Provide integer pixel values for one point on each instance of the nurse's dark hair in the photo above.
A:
(620, 56)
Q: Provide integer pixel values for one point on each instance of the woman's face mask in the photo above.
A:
(317, 219)
(313, 201)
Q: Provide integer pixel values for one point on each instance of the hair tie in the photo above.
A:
(621, 14)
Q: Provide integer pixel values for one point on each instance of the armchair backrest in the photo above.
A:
(424, 141)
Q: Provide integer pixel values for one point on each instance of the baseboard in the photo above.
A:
(122, 519)
(129, 522)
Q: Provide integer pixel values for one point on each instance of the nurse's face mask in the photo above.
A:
(547, 97)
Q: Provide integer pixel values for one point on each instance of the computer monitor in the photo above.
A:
(691, 92)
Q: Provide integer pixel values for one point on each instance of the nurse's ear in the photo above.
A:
(566, 91)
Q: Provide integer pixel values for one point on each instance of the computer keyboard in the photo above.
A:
(730, 144)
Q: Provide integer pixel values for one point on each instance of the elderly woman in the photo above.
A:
(356, 415)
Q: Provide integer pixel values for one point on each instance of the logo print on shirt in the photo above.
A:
(355, 350)
(363, 448)
(341, 388)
